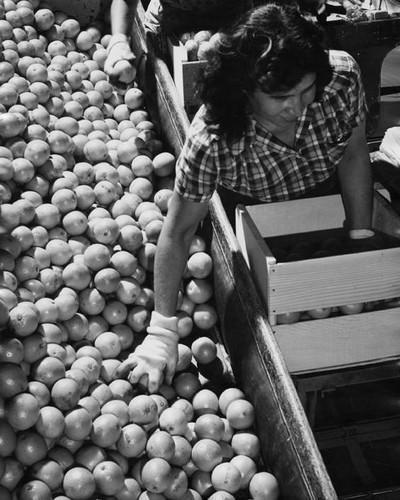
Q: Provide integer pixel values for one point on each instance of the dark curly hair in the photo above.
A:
(272, 48)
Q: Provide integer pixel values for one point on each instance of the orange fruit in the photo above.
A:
(76, 275)
(199, 290)
(182, 451)
(24, 319)
(48, 370)
(186, 384)
(91, 301)
(50, 423)
(101, 392)
(205, 316)
(226, 477)
(31, 447)
(185, 324)
(118, 408)
(209, 426)
(128, 290)
(108, 344)
(22, 410)
(174, 421)
(89, 456)
(142, 409)
(200, 482)
(240, 414)
(35, 348)
(164, 164)
(130, 238)
(97, 256)
(156, 475)
(13, 380)
(204, 350)
(65, 393)
(121, 389)
(115, 312)
(108, 477)
(138, 318)
(130, 491)
(178, 484)
(106, 430)
(264, 486)
(78, 424)
(91, 404)
(132, 440)
(186, 406)
(62, 456)
(247, 468)
(77, 326)
(13, 473)
(34, 489)
(205, 401)
(227, 396)
(89, 366)
(142, 187)
(79, 483)
(160, 444)
(206, 454)
(8, 439)
(104, 230)
(11, 350)
(246, 443)
(48, 471)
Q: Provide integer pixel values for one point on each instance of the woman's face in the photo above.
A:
(281, 109)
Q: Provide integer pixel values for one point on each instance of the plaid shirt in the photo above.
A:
(260, 165)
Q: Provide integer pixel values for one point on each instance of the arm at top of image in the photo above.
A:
(119, 64)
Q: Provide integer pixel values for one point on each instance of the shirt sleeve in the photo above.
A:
(197, 166)
(356, 94)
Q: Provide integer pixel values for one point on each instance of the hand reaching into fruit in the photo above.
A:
(154, 361)
(119, 65)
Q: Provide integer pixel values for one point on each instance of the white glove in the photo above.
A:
(156, 357)
(119, 64)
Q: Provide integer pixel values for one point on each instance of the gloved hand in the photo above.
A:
(363, 240)
(119, 64)
(156, 357)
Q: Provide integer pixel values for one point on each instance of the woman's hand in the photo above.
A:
(120, 62)
(154, 360)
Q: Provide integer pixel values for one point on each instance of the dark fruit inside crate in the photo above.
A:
(317, 244)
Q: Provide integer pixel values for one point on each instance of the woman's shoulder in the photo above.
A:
(342, 62)
(202, 128)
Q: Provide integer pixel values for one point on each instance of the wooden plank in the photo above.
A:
(333, 281)
(340, 341)
(298, 216)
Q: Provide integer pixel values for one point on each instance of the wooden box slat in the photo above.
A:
(340, 341)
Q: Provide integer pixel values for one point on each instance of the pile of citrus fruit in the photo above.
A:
(85, 183)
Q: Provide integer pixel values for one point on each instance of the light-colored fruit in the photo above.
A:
(264, 486)
(132, 441)
(79, 483)
(156, 475)
(206, 454)
(240, 414)
(142, 409)
(226, 477)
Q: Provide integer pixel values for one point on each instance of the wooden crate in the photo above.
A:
(337, 341)
(184, 73)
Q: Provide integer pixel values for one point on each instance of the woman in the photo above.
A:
(282, 118)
